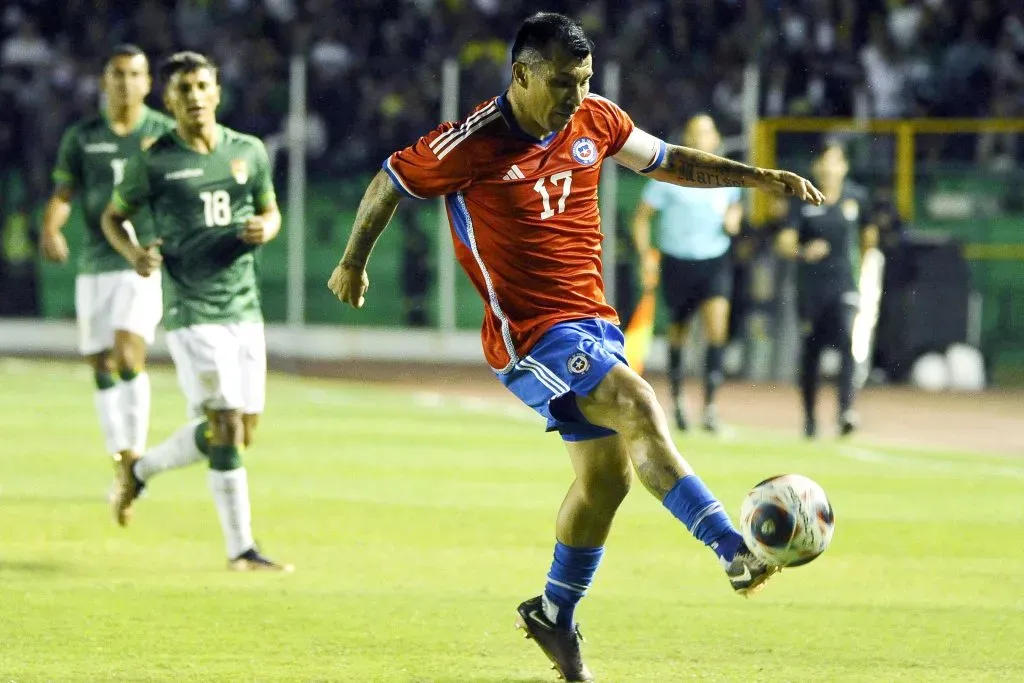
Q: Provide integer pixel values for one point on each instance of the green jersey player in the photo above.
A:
(117, 310)
(212, 198)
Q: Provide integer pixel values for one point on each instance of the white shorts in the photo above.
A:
(118, 300)
(221, 366)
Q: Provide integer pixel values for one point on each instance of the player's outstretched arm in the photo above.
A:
(692, 168)
(349, 281)
(52, 243)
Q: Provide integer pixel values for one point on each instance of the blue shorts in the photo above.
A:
(570, 360)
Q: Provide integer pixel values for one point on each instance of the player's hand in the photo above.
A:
(349, 283)
(651, 272)
(149, 260)
(791, 185)
(54, 246)
(255, 231)
(816, 250)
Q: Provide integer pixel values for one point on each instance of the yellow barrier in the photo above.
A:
(994, 252)
(765, 145)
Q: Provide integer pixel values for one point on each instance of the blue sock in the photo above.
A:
(694, 505)
(571, 573)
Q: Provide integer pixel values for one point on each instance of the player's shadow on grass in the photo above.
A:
(14, 499)
(508, 679)
(30, 567)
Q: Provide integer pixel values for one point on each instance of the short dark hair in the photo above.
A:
(544, 30)
(185, 62)
(124, 50)
(832, 143)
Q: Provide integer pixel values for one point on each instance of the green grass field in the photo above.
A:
(418, 523)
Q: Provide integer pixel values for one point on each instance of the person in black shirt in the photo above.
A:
(827, 242)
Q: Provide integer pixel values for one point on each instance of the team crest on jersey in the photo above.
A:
(851, 209)
(239, 170)
(584, 151)
(578, 363)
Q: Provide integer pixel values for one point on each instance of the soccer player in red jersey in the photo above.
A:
(520, 176)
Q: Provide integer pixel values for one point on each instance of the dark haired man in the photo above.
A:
(212, 197)
(117, 310)
(827, 242)
(520, 177)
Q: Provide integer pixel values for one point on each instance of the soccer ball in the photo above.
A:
(787, 521)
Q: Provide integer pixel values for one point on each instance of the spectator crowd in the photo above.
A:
(374, 65)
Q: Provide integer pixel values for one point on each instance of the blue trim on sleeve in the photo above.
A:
(396, 181)
(662, 148)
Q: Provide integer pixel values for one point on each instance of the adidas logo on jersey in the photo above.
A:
(513, 174)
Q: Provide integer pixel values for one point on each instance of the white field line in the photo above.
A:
(930, 464)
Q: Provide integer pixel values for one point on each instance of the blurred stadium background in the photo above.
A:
(927, 94)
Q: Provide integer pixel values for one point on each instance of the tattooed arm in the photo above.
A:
(692, 168)
(349, 281)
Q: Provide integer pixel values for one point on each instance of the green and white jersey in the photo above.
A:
(91, 161)
(200, 203)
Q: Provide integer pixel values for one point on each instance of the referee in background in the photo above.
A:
(692, 262)
(827, 242)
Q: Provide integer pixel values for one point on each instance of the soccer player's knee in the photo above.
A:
(637, 405)
(226, 426)
(128, 365)
(103, 368)
(676, 334)
(226, 445)
(248, 437)
(614, 483)
(607, 486)
(718, 333)
(248, 430)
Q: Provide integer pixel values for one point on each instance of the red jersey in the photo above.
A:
(524, 215)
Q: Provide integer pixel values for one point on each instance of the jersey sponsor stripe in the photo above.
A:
(458, 140)
(440, 140)
(464, 225)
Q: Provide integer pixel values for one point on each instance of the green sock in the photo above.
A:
(202, 437)
(225, 458)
